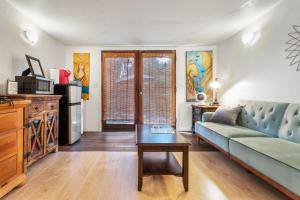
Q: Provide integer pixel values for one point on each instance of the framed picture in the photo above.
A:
(81, 70)
(35, 66)
(12, 87)
(199, 73)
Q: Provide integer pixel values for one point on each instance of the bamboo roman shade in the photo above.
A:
(158, 87)
(118, 87)
(138, 87)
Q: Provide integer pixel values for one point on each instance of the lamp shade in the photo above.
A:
(215, 84)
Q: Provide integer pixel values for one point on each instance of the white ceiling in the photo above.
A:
(142, 22)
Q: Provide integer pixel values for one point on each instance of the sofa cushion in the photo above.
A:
(219, 134)
(290, 126)
(274, 157)
(212, 136)
(232, 131)
(265, 117)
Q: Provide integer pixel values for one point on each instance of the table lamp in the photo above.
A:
(215, 85)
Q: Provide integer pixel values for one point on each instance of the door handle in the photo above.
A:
(141, 92)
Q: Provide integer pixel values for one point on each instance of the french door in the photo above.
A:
(138, 87)
(119, 84)
(157, 87)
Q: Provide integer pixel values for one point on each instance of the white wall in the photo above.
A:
(92, 107)
(261, 72)
(53, 54)
(13, 49)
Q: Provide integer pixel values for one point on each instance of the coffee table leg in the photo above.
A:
(185, 168)
(140, 168)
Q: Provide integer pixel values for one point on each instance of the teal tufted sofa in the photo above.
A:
(266, 140)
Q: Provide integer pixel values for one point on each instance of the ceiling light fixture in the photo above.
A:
(30, 36)
(250, 38)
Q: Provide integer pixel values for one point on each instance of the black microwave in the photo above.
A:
(34, 85)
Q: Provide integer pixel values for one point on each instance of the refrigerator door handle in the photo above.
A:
(74, 104)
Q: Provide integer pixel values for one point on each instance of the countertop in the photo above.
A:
(16, 104)
(34, 96)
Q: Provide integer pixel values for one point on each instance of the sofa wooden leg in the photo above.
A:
(198, 139)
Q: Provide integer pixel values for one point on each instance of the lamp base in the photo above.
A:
(215, 103)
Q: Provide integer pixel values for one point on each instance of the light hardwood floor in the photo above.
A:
(113, 176)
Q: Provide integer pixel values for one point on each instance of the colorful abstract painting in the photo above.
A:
(81, 70)
(199, 72)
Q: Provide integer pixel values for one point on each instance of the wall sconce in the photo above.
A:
(30, 36)
(250, 38)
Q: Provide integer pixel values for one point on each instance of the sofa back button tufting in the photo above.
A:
(273, 119)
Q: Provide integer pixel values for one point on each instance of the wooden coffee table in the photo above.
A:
(162, 162)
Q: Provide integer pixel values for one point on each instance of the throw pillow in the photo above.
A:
(226, 115)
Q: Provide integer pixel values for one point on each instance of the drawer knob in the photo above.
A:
(36, 108)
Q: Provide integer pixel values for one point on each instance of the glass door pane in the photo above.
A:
(157, 95)
(118, 90)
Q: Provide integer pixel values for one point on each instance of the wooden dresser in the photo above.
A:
(11, 145)
(197, 112)
(41, 119)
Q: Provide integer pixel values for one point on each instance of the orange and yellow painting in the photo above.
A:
(81, 70)
(199, 72)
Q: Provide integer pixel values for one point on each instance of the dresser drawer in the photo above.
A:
(8, 121)
(8, 169)
(8, 144)
(51, 105)
(36, 107)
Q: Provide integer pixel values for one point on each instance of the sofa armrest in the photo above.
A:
(206, 117)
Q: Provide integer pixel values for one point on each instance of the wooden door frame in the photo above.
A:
(138, 88)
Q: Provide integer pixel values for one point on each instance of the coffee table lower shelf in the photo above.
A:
(161, 163)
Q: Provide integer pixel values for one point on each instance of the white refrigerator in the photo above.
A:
(74, 113)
